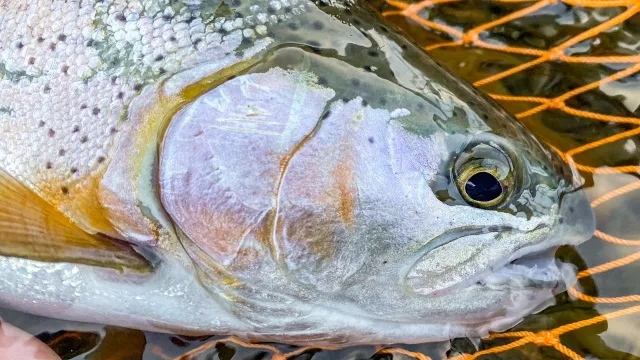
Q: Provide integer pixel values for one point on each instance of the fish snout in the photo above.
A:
(576, 221)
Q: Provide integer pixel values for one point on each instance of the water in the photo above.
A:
(554, 24)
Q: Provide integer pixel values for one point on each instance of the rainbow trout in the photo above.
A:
(282, 170)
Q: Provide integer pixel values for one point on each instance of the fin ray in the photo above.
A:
(34, 229)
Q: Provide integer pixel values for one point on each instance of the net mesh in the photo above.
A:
(563, 52)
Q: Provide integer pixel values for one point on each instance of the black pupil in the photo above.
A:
(483, 187)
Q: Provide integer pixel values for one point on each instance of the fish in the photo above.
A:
(289, 170)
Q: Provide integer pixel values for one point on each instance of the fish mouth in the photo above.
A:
(533, 267)
(534, 270)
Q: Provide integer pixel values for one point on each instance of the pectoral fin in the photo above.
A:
(34, 229)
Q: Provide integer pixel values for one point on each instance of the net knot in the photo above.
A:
(555, 54)
(469, 37)
(556, 104)
(545, 338)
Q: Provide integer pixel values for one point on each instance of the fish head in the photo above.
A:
(340, 188)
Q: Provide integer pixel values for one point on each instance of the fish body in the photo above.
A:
(286, 171)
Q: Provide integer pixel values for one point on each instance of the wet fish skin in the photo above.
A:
(283, 180)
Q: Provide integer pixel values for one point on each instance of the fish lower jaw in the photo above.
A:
(536, 270)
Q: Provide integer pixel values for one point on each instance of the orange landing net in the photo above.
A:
(549, 338)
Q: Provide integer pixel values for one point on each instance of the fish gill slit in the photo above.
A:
(275, 244)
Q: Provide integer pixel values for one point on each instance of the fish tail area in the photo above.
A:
(32, 228)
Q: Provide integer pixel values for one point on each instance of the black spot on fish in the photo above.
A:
(32, 60)
(65, 69)
(292, 26)
(95, 111)
(40, 39)
(49, 165)
(84, 139)
(197, 41)
(172, 38)
(19, 45)
(485, 116)
(41, 123)
(385, 261)
(355, 82)
(420, 106)
(560, 220)
(493, 228)
(62, 37)
(113, 130)
(373, 53)
(317, 25)
(287, 10)
(46, 89)
(52, 133)
(137, 87)
(61, 152)
(222, 31)
(571, 209)
(75, 129)
(120, 95)
(325, 115)
(120, 17)
(83, 106)
(383, 101)
(89, 43)
(271, 10)
(114, 78)
(166, 17)
(158, 58)
(162, 71)
(365, 103)
(404, 47)
(384, 29)
(322, 81)
(74, 170)
(65, 190)
(101, 159)
(371, 139)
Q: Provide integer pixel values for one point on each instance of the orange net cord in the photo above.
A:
(549, 338)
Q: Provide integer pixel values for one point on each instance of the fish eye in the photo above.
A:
(484, 176)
